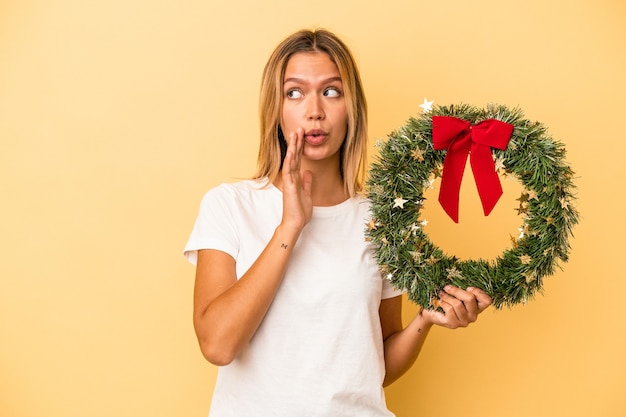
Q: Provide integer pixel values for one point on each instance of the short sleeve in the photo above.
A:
(389, 291)
(216, 226)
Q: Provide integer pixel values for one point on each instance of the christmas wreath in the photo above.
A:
(499, 142)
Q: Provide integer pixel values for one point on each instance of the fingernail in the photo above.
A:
(447, 287)
(470, 288)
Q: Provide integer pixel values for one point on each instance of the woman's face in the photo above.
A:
(313, 100)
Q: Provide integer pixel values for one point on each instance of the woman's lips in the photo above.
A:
(315, 136)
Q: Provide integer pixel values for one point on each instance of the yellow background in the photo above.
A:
(116, 116)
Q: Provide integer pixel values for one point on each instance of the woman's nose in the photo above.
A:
(315, 109)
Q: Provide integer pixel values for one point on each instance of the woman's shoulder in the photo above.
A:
(362, 202)
(246, 189)
(239, 186)
(356, 206)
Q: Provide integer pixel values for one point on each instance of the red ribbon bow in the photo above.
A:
(461, 138)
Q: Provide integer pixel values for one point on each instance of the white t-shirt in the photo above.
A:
(318, 351)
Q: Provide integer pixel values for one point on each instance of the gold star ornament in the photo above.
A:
(418, 154)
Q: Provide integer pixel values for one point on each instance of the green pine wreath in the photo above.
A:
(405, 167)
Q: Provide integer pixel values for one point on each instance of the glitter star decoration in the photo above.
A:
(525, 259)
(522, 209)
(418, 154)
(530, 276)
(399, 202)
(499, 163)
(454, 273)
(432, 260)
(427, 106)
(523, 230)
(416, 255)
(514, 241)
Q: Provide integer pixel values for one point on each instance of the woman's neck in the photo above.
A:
(328, 190)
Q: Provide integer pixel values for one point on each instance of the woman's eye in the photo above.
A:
(332, 92)
(294, 94)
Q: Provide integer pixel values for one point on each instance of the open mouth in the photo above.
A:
(315, 137)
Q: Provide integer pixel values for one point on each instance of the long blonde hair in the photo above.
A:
(273, 147)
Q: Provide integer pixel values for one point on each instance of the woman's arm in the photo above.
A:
(402, 346)
(228, 311)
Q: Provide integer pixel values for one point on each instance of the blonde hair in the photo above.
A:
(273, 147)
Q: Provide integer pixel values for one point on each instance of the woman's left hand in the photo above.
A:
(402, 346)
(460, 307)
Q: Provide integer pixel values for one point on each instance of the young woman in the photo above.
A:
(288, 298)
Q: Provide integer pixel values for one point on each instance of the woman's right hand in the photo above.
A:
(296, 185)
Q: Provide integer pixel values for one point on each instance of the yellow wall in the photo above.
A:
(116, 116)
